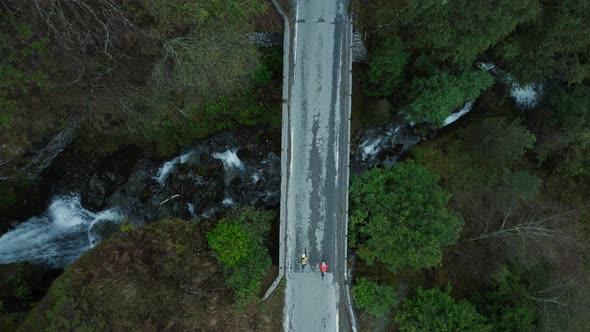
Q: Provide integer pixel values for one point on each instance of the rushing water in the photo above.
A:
(455, 116)
(169, 166)
(229, 158)
(66, 229)
(527, 96)
(58, 237)
(384, 146)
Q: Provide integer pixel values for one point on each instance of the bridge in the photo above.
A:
(315, 163)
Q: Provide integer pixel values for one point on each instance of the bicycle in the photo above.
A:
(304, 259)
(323, 267)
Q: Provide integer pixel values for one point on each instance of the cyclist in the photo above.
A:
(323, 268)
(304, 259)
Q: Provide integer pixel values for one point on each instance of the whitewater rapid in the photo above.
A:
(57, 237)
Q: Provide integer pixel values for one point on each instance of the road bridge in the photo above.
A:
(315, 160)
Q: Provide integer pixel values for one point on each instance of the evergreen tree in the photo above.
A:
(399, 217)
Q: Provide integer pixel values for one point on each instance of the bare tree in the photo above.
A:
(533, 228)
(78, 26)
(499, 214)
(559, 293)
(222, 62)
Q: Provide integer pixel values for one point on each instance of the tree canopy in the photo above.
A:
(553, 46)
(510, 305)
(373, 298)
(400, 217)
(495, 139)
(459, 30)
(571, 107)
(386, 68)
(522, 183)
(237, 241)
(434, 98)
(435, 310)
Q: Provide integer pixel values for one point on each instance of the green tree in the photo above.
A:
(509, 304)
(522, 183)
(567, 151)
(386, 68)
(459, 30)
(493, 139)
(237, 241)
(373, 298)
(554, 46)
(575, 159)
(399, 217)
(246, 276)
(571, 107)
(434, 98)
(379, 17)
(230, 242)
(435, 310)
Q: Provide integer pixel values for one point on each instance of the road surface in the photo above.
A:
(317, 154)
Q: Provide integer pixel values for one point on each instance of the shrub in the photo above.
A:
(23, 293)
(373, 298)
(434, 310)
(126, 225)
(230, 243)
(237, 242)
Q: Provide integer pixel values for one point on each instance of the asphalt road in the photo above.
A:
(317, 164)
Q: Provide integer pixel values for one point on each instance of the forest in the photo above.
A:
(481, 226)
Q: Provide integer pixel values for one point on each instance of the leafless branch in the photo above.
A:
(530, 230)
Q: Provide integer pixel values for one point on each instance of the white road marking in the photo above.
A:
(295, 35)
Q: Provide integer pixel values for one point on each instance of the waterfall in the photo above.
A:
(455, 116)
(191, 210)
(243, 182)
(526, 96)
(371, 146)
(383, 146)
(229, 158)
(58, 237)
(170, 166)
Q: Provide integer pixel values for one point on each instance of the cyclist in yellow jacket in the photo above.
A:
(304, 259)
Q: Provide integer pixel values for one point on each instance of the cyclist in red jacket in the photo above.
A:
(323, 268)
